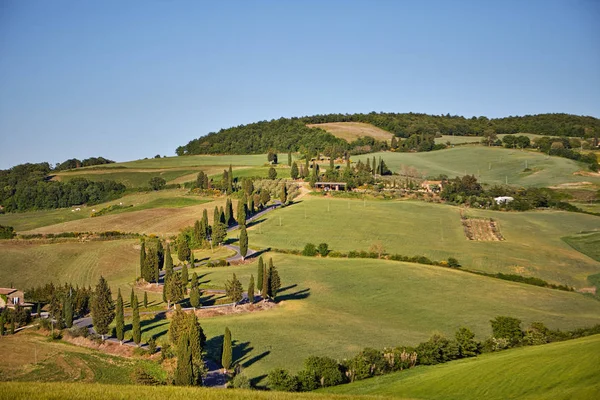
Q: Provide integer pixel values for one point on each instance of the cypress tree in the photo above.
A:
(294, 172)
(331, 166)
(265, 285)
(272, 173)
(184, 277)
(131, 298)
(234, 290)
(219, 233)
(120, 318)
(205, 220)
(222, 216)
(12, 325)
(174, 290)
(142, 258)
(183, 249)
(195, 297)
(160, 254)
(197, 340)
(374, 169)
(274, 281)
(290, 159)
(261, 269)
(194, 282)
(135, 323)
(251, 290)
(251, 205)
(241, 216)
(230, 180)
(102, 307)
(284, 193)
(243, 242)
(168, 263)
(216, 215)
(68, 311)
(197, 235)
(145, 300)
(227, 212)
(227, 352)
(184, 375)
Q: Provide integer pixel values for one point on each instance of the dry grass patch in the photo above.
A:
(350, 131)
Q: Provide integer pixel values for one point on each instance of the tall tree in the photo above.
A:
(131, 298)
(228, 212)
(230, 180)
(174, 289)
(234, 289)
(102, 307)
(219, 233)
(120, 318)
(197, 341)
(145, 300)
(184, 277)
(290, 159)
(251, 289)
(274, 280)
(216, 215)
(183, 249)
(168, 263)
(205, 222)
(284, 193)
(227, 352)
(243, 242)
(142, 258)
(136, 329)
(68, 310)
(222, 215)
(265, 283)
(294, 171)
(272, 173)
(184, 374)
(261, 270)
(251, 207)
(194, 291)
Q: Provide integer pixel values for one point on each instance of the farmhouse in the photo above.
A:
(10, 297)
(331, 186)
(432, 186)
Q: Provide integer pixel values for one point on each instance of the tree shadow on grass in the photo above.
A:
(259, 253)
(283, 289)
(254, 222)
(299, 295)
(254, 359)
(257, 381)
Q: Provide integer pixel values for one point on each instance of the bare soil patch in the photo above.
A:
(481, 229)
(350, 131)
(241, 309)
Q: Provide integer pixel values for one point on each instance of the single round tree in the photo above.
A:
(102, 307)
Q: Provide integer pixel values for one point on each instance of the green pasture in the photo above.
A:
(131, 179)
(194, 161)
(491, 165)
(533, 245)
(564, 370)
(336, 307)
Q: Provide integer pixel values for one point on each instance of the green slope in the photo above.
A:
(565, 370)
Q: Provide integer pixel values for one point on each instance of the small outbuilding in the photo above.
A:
(337, 186)
(503, 199)
(10, 297)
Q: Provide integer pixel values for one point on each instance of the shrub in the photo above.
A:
(78, 331)
(323, 249)
(240, 381)
(7, 232)
(325, 369)
(280, 379)
(453, 263)
(309, 250)
(141, 377)
(437, 350)
(507, 328)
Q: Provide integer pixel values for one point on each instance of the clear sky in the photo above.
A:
(132, 79)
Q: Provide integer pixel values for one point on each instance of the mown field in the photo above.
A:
(33, 357)
(336, 307)
(564, 370)
(532, 244)
(47, 391)
(491, 165)
(351, 131)
(477, 139)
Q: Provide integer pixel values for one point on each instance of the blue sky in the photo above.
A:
(131, 79)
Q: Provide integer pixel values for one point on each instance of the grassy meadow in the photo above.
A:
(533, 245)
(336, 307)
(564, 370)
(491, 165)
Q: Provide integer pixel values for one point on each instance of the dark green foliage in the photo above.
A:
(274, 280)
(7, 232)
(290, 159)
(157, 183)
(219, 233)
(183, 249)
(88, 162)
(68, 311)
(12, 326)
(241, 210)
(260, 272)
(281, 380)
(508, 328)
(195, 297)
(120, 318)
(283, 196)
(234, 289)
(272, 173)
(227, 351)
(437, 350)
(26, 187)
(174, 289)
(453, 263)
(2, 322)
(251, 289)
(131, 298)
(325, 370)
(243, 242)
(168, 264)
(310, 250)
(467, 345)
(266, 284)
(184, 276)
(241, 381)
(197, 340)
(142, 258)
(102, 307)
(323, 249)
(294, 171)
(145, 300)
(184, 373)
(202, 180)
(136, 330)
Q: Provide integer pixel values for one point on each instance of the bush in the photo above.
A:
(507, 328)
(141, 377)
(78, 331)
(326, 370)
(437, 350)
(323, 249)
(453, 263)
(240, 381)
(7, 232)
(280, 379)
(309, 250)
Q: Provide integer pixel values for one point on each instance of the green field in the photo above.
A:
(564, 370)
(35, 358)
(533, 244)
(336, 307)
(48, 391)
(477, 139)
(491, 165)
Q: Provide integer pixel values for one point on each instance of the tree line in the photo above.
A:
(26, 187)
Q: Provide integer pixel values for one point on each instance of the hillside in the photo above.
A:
(350, 131)
(292, 134)
(564, 370)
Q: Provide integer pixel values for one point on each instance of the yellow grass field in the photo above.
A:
(350, 131)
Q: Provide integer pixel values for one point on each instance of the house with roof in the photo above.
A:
(10, 297)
